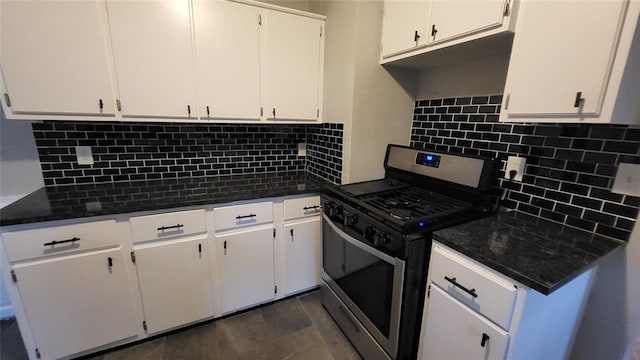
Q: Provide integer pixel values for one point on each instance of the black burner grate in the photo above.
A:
(407, 204)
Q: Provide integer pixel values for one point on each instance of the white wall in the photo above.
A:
(611, 324)
(20, 174)
(484, 76)
(375, 105)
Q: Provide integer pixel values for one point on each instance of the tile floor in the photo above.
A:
(294, 329)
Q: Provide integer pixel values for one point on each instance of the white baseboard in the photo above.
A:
(6, 311)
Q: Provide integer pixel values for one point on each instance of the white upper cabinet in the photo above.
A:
(54, 58)
(153, 57)
(405, 25)
(453, 19)
(293, 61)
(414, 27)
(573, 62)
(227, 48)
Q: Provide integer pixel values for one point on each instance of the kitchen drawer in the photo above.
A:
(302, 207)
(494, 295)
(31, 244)
(169, 225)
(229, 217)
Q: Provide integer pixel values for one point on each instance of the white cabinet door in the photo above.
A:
(153, 57)
(563, 52)
(227, 48)
(76, 302)
(302, 255)
(246, 267)
(404, 25)
(453, 331)
(54, 58)
(174, 282)
(452, 19)
(292, 62)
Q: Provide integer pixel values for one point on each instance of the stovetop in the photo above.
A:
(408, 207)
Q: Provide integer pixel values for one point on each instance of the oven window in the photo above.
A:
(366, 279)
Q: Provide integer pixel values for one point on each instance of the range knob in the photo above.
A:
(334, 210)
(353, 219)
(377, 237)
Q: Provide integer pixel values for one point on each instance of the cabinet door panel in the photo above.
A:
(174, 283)
(454, 331)
(227, 47)
(303, 255)
(54, 58)
(292, 66)
(558, 52)
(77, 302)
(402, 18)
(453, 19)
(153, 57)
(246, 267)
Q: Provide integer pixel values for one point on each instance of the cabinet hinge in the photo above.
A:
(133, 257)
(118, 105)
(275, 289)
(259, 19)
(261, 111)
(144, 325)
(506, 9)
(428, 290)
(274, 233)
(317, 113)
(37, 353)
(7, 99)
(506, 102)
(13, 276)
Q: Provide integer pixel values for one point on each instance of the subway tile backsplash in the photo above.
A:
(570, 167)
(146, 151)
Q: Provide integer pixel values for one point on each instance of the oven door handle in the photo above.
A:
(359, 244)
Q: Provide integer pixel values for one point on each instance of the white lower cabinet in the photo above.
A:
(174, 282)
(76, 302)
(457, 332)
(302, 255)
(245, 267)
(474, 312)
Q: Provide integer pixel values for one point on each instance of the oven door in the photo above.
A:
(367, 280)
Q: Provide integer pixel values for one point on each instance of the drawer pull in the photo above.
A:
(54, 242)
(110, 261)
(240, 217)
(315, 207)
(177, 226)
(485, 337)
(471, 292)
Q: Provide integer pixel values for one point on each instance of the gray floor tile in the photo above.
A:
(11, 345)
(298, 328)
(149, 350)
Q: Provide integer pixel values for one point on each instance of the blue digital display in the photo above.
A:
(421, 224)
(430, 160)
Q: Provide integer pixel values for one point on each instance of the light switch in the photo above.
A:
(627, 180)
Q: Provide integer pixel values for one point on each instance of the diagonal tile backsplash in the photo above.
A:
(570, 167)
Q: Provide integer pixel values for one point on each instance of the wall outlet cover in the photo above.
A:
(515, 163)
(627, 180)
(84, 155)
(302, 149)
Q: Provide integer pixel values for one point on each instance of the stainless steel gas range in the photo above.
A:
(377, 238)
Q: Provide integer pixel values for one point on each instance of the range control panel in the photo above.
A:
(431, 160)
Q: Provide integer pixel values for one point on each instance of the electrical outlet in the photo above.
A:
(84, 155)
(302, 149)
(515, 163)
(627, 180)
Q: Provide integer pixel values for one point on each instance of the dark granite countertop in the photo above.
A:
(78, 201)
(535, 252)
